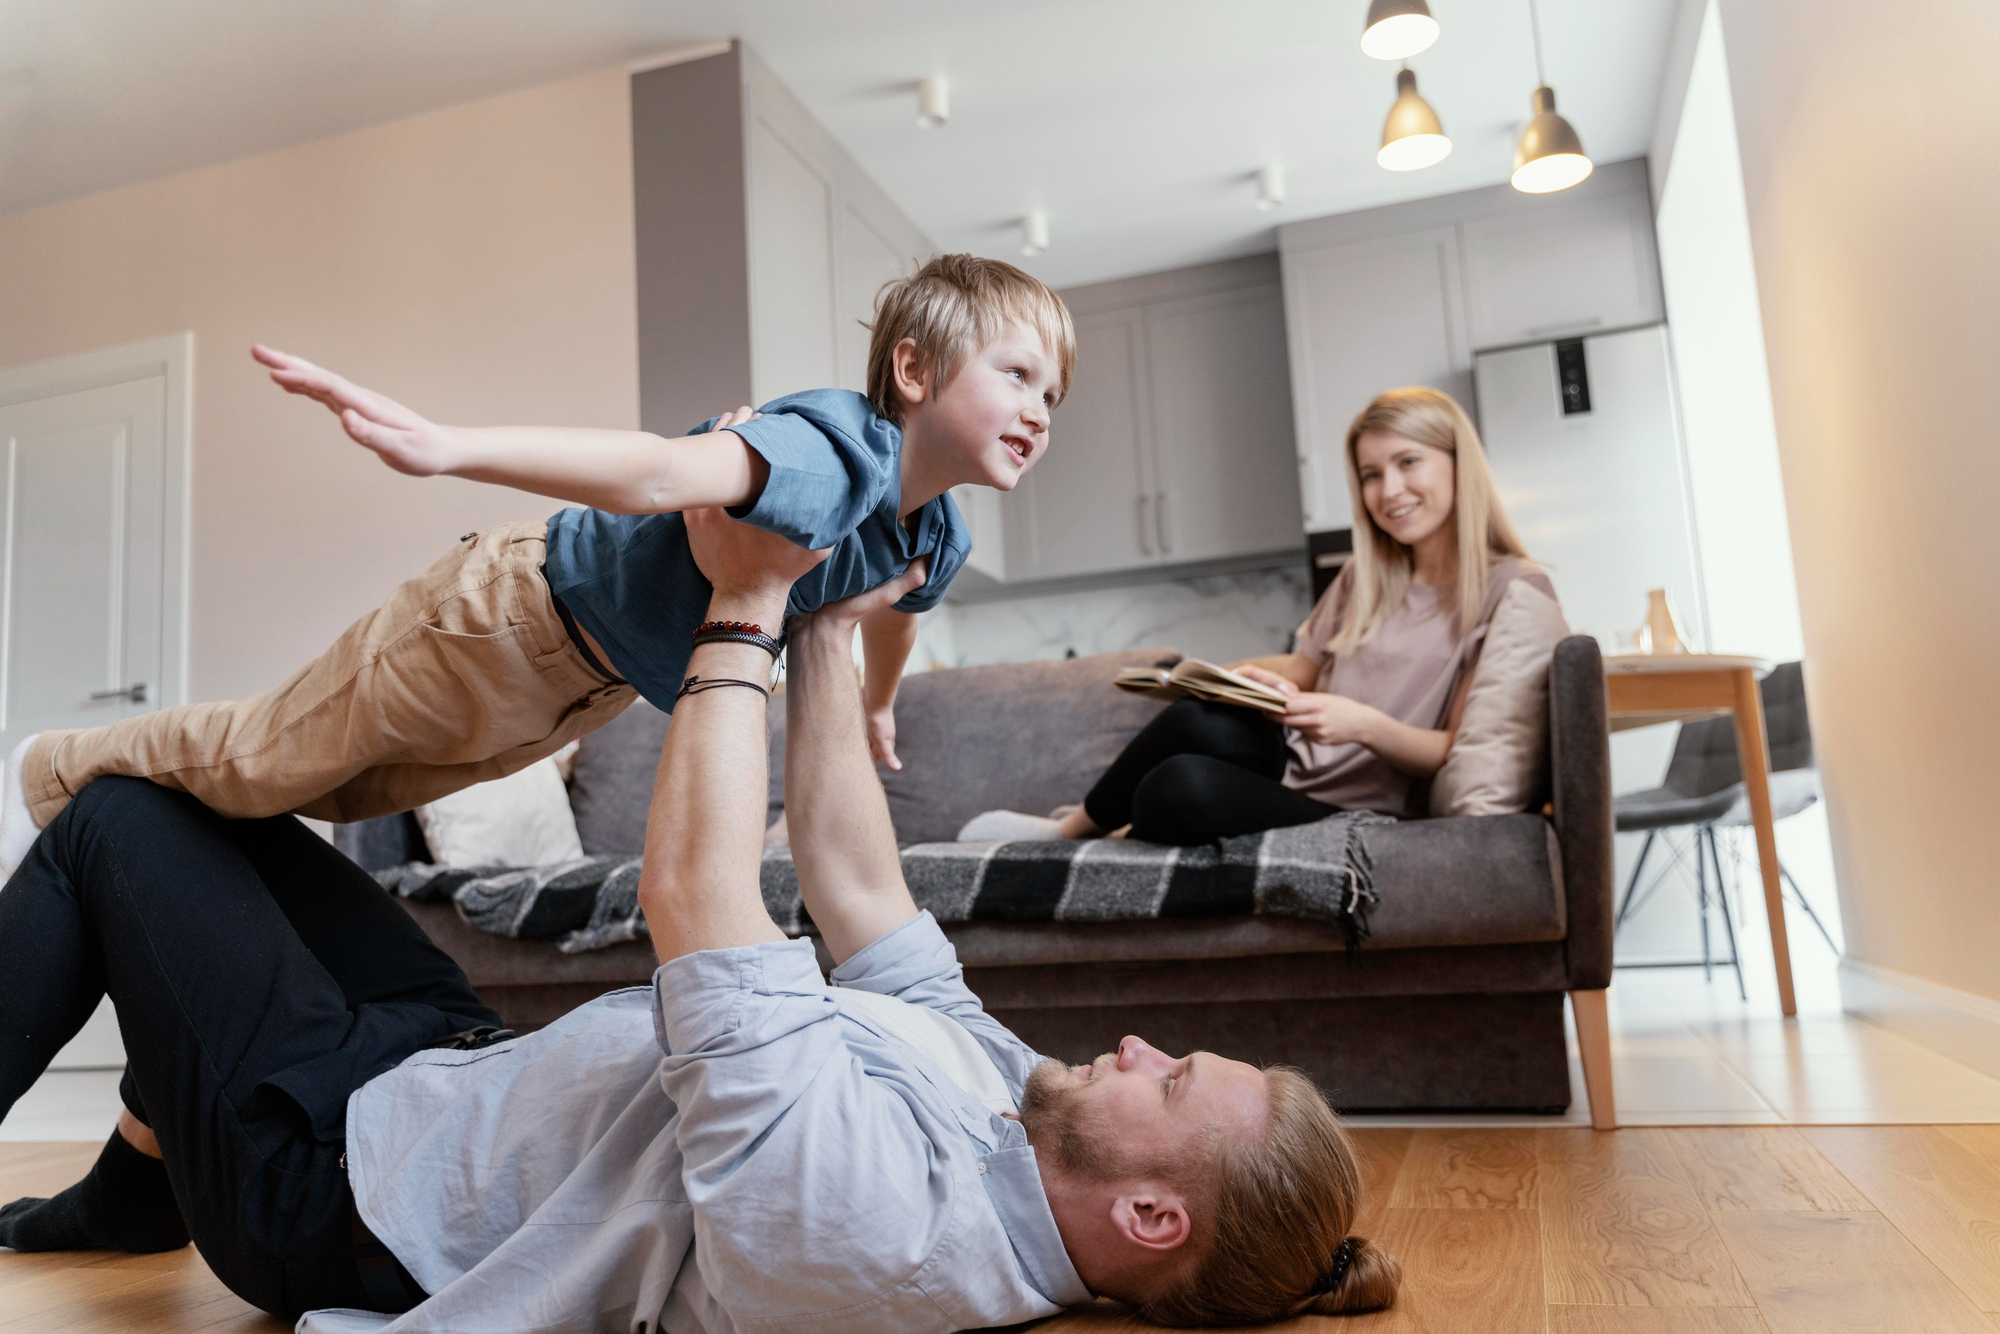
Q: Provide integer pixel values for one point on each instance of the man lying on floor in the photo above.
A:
(740, 1144)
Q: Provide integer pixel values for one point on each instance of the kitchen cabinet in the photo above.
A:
(1174, 447)
(1363, 317)
(1407, 294)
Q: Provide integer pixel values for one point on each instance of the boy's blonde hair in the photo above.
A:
(953, 306)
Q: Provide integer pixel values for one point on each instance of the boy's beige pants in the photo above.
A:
(464, 675)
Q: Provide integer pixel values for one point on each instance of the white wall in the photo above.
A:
(476, 262)
(1867, 135)
(1735, 482)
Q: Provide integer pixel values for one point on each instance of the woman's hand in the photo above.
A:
(1262, 676)
(405, 441)
(1331, 720)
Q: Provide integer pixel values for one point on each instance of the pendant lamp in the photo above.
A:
(1398, 29)
(1412, 139)
(1549, 156)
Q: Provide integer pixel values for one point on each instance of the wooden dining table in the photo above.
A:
(1645, 689)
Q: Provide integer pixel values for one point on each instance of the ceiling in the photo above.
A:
(1136, 124)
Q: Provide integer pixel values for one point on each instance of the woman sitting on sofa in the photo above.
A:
(1378, 680)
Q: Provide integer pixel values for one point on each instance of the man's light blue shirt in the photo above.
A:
(835, 481)
(725, 1151)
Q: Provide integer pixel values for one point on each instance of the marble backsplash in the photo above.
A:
(1220, 617)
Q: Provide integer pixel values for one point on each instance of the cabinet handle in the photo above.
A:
(1160, 504)
(1145, 546)
(137, 693)
(1309, 488)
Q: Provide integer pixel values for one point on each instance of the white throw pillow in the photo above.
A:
(523, 819)
(1499, 760)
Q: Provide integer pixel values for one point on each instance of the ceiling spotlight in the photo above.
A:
(1549, 156)
(933, 102)
(1035, 233)
(1412, 139)
(1271, 186)
(1398, 29)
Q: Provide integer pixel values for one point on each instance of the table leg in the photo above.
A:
(1752, 750)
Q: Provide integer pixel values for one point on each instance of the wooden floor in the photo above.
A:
(1750, 1230)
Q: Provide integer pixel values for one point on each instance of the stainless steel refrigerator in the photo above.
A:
(1585, 444)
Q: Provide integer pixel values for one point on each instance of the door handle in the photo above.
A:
(135, 693)
(1160, 518)
(1145, 545)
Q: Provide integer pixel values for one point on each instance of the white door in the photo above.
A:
(92, 565)
(82, 529)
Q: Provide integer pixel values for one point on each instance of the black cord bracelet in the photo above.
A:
(695, 685)
(753, 637)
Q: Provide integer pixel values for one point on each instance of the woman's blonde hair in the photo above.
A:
(953, 306)
(1283, 1204)
(1382, 565)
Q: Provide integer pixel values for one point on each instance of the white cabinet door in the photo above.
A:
(791, 270)
(1577, 266)
(1366, 316)
(864, 261)
(1225, 479)
(1083, 509)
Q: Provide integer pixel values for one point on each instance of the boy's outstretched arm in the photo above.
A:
(887, 636)
(625, 472)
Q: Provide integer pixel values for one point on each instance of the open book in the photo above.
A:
(1202, 680)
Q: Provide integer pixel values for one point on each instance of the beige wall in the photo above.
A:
(1867, 134)
(476, 262)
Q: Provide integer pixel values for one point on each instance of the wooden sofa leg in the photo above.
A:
(1593, 1037)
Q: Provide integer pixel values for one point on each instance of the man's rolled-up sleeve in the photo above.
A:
(814, 1164)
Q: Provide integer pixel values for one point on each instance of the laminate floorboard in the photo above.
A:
(1824, 1273)
(1939, 1188)
(1469, 1169)
(1656, 1320)
(1765, 1168)
(1622, 1225)
(1759, 1230)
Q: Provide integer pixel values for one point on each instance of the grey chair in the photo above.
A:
(1704, 792)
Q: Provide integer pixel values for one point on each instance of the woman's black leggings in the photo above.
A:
(1199, 772)
(260, 977)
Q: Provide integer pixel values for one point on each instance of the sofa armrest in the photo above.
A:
(1580, 775)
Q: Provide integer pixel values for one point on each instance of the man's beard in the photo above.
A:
(1070, 1129)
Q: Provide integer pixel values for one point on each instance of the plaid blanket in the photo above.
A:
(1320, 871)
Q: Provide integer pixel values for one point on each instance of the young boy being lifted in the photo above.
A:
(523, 638)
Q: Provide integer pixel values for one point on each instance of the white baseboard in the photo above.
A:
(1963, 1026)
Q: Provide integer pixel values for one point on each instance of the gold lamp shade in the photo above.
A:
(1549, 157)
(1398, 29)
(1412, 139)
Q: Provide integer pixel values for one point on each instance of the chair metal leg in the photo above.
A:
(1800, 895)
(1701, 896)
(1632, 885)
(1728, 922)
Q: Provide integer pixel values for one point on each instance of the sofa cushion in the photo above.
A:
(1477, 880)
(1026, 736)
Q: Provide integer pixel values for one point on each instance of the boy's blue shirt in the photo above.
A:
(835, 481)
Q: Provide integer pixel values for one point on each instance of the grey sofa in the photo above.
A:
(1454, 1003)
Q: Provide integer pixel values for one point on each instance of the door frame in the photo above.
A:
(170, 356)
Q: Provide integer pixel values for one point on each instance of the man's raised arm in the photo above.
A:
(705, 833)
(843, 845)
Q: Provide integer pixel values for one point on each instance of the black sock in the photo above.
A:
(124, 1204)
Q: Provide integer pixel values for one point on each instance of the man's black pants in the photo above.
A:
(259, 977)
(1198, 772)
